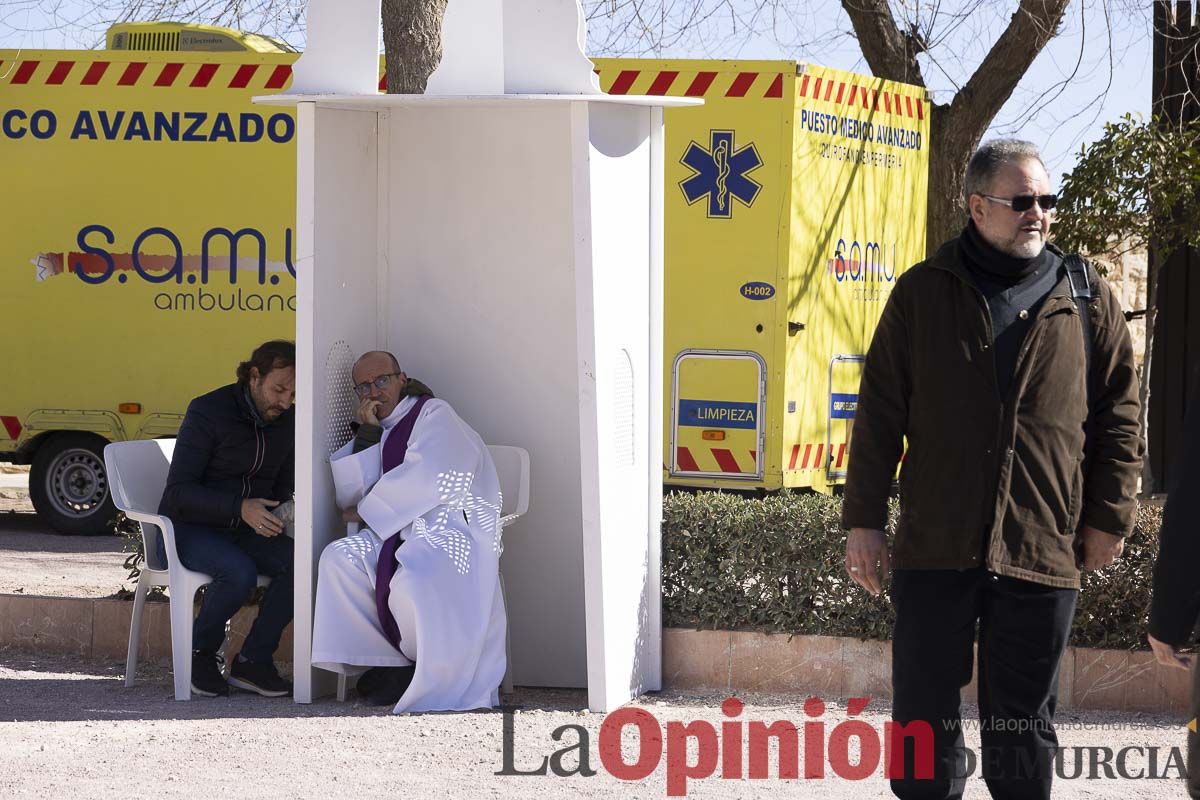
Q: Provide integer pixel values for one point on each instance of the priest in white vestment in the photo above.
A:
(423, 610)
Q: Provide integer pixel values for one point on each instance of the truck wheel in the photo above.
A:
(68, 484)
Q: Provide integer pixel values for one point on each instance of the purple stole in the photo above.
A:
(394, 451)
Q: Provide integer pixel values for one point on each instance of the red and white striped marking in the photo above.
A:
(842, 93)
(744, 84)
(12, 426)
(802, 457)
(808, 456)
(32, 72)
(748, 84)
(687, 463)
(726, 461)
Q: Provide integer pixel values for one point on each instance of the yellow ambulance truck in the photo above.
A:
(147, 245)
(795, 196)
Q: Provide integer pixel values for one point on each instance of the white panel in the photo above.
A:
(620, 586)
(381, 102)
(339, 401)
(383, 266)
(514, 47)
(336, 317)
(482, 248)
(654, 434)
(306, 370)
(624, 403)
(341, 55)
(472, 49)
(544, 48)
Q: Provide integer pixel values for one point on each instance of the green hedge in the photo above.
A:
(776, 564)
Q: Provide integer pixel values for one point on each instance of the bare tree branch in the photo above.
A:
(993, 82)
(890, 53)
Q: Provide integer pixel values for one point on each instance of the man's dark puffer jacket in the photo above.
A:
(224, 455)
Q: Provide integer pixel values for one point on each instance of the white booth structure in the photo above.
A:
(502, 235)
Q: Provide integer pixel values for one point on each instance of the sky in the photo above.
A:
(1106, 80)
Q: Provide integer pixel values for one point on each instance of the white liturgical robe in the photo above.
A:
(445, 595)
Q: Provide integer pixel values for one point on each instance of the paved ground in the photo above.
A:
(36, 560)
(71, 729)
(33, 561)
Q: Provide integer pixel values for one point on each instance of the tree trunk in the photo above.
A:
(412, 41)
(955, 131)
(945, 210)
(948, 156)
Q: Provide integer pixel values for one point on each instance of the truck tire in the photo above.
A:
(69, 486)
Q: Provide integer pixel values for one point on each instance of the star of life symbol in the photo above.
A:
(720, 173)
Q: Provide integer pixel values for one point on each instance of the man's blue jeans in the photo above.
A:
(235, 559)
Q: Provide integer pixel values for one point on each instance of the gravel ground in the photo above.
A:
(71, 729)
(36, 560)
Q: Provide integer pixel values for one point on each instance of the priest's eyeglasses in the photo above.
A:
(1023, 202)
(363, 389)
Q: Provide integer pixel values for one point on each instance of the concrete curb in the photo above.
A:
(99, 628)
(827, 666)
(732, 661)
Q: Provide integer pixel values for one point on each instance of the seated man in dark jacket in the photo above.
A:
(235, 460)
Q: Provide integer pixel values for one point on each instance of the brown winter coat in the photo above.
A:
(1005, 483)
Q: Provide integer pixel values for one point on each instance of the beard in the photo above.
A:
(265, 409)
(1025, 248)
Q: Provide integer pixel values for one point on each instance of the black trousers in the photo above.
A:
(234, 559)
(1023, 629)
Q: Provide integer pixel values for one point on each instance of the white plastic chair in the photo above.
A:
(512, 468)
(137, 475)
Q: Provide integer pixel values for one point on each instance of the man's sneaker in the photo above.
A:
(259, 678)
(207, 680)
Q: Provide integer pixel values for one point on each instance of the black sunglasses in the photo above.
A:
(1023, 202)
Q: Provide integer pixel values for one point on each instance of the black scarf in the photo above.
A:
(995, 266)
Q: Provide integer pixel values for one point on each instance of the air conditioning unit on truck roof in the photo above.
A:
(148, 245)
(186, 37)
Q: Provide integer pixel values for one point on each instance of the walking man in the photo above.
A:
(1023, 451)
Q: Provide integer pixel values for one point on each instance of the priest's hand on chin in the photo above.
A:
(351, 515)
(262, 521)
(368, 411)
